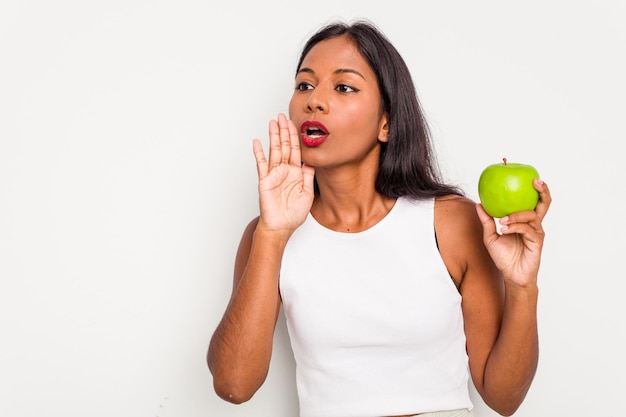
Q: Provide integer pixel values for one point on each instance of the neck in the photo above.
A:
(349, 206)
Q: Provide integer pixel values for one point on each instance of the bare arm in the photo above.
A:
(241, 347)
(516, 252)
(497, 276)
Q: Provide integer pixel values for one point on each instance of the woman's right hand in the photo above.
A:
(285, 184)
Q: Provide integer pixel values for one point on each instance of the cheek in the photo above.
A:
(366, 119)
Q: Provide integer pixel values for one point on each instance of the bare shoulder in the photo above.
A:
(456, 219)
(454, 206)
(459, 234)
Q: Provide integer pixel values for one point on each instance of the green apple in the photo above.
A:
(507, 187)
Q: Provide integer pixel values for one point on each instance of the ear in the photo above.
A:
(383, 129)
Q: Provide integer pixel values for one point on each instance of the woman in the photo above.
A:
(395, 287)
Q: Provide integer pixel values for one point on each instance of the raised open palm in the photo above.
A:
(285, 184)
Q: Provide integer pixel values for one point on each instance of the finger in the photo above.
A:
(531, 238)
(490, 232)
(294, 139)
(526, 216)
(261, 161)
(285, 139)
(545, 198)
(275, 151)
(525, 223)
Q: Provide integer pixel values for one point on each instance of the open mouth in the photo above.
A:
(314, 133)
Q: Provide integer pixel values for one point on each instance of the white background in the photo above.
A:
(127, 177)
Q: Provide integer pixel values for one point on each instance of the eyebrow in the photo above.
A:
(337, 71)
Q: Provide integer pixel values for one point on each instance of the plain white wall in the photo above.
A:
(127, 177)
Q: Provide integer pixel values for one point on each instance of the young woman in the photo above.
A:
(396, 288)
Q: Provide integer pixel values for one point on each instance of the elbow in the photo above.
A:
(509, 412)
(505, 399)
(233, 393)
(504, 402)
(506, 412)
(231, 387)
(234, 380)
(506, 407)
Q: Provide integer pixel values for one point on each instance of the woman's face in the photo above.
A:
(336, 106)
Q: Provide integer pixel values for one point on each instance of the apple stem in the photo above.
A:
(504, 160)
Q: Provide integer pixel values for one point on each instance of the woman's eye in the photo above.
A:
(343, 88)
(303, 86)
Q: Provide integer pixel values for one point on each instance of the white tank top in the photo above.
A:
(374, 318)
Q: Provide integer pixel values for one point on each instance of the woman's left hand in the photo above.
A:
(516, 250)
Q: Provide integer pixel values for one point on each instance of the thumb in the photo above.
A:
(490, 232)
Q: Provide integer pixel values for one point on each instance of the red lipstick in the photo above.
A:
(314, 133)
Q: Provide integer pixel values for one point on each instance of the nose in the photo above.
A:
(316, 107)
(316, 103)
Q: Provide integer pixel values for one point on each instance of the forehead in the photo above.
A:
(338, 52)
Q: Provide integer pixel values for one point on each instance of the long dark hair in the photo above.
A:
(407, 162)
